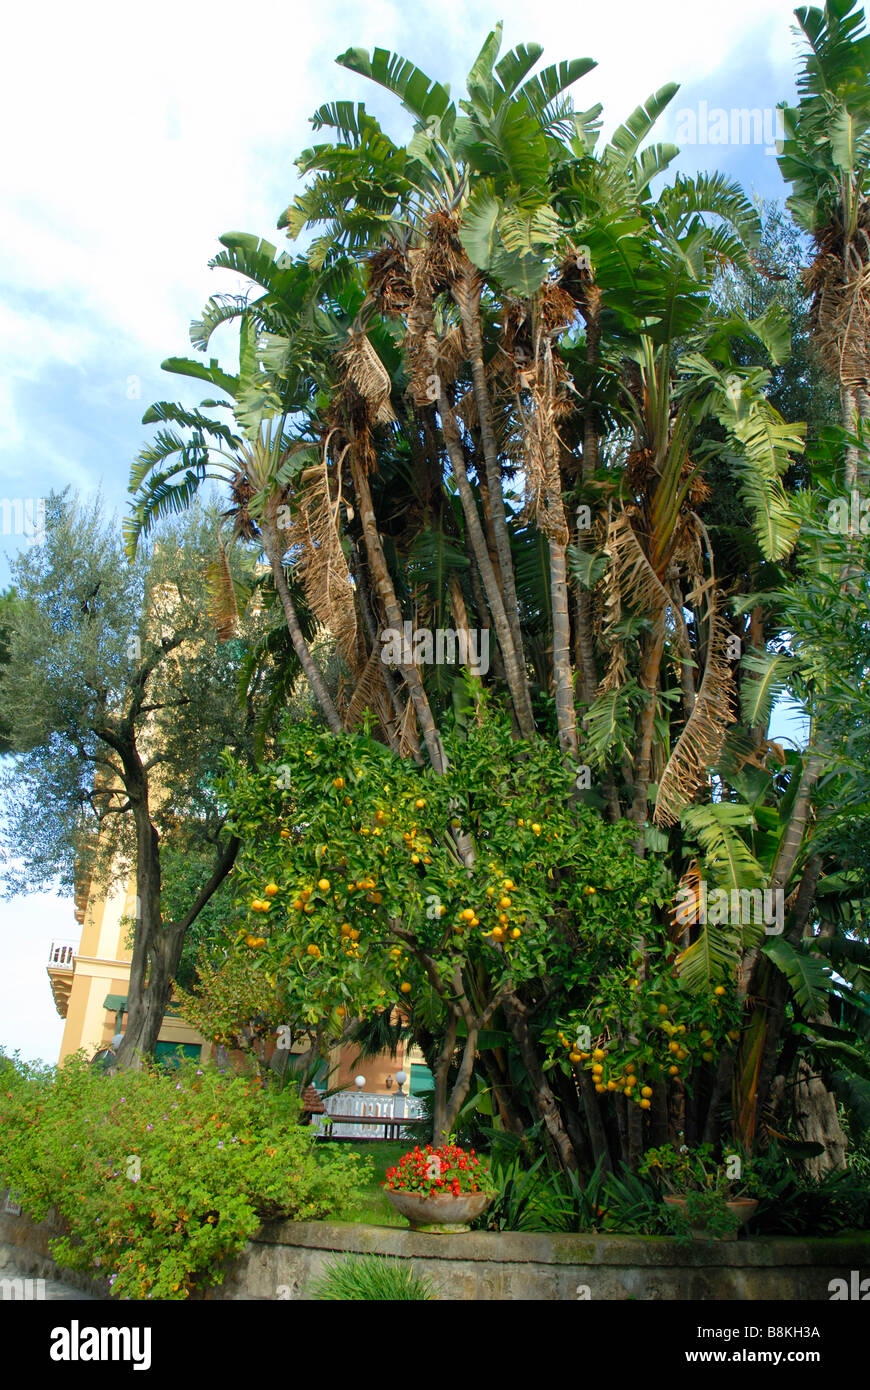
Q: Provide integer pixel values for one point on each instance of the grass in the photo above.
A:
(372, 1208)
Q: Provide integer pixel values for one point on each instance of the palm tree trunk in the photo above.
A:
(563, 682)
(650, 663)
(275, 555)
(387, 593)
(466, 293)
(514, 673)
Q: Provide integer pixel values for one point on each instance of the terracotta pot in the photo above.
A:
(441, 1213)
(742, 1208)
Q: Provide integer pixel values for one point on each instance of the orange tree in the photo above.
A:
(356, 896)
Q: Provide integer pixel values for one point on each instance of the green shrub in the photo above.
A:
(161, 1175)
(376, 1278)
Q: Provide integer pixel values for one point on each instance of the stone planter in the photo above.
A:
(742, 1208)
(441, 1213)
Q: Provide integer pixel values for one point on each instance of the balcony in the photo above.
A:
(61, 958)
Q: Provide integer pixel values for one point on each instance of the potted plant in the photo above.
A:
(439, 1191)
(710, 1196)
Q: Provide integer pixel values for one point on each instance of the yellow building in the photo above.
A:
(90, 978)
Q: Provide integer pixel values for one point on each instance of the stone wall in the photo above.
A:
(286, 1256)
(282, 1261)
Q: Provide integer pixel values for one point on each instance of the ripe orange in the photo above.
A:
(270, 890)
(516, 934)
(645, 1104)
(419, 803)
(323, 884)
(720, 990)
(646, 1092)
(405, 987)
(338, 783)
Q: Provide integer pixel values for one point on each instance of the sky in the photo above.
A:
(134, 136)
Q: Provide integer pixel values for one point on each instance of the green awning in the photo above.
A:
(118, 1003)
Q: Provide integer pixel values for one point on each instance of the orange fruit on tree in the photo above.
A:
(405, 987)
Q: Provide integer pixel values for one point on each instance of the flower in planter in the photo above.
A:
(429, 1171)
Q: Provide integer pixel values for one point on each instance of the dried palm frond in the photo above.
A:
(640, 586)
(221, 602)
(370, 693)
(390, 280)
(322, 564)
(365, 370)
(704, 732)
(409, 743)
(839, 282)
(687, 909)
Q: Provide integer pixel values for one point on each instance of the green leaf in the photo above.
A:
(769, 674)
(479, 234)
(186, 366)
(805, 973)
(417, 92)
(626, 139)
(540, 90)
(729, 860)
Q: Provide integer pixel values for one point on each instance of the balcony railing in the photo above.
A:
(61, 955)
(357, 1107)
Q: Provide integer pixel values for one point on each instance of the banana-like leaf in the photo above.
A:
(626, 139)
(609, 722)
(808, 977)
(769, 674)
(417, 92)
(711, 957)
(728, 859)
(186, 366)
(586, 568)
(545, 86)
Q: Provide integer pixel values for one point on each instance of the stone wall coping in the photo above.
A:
(512, 1247)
